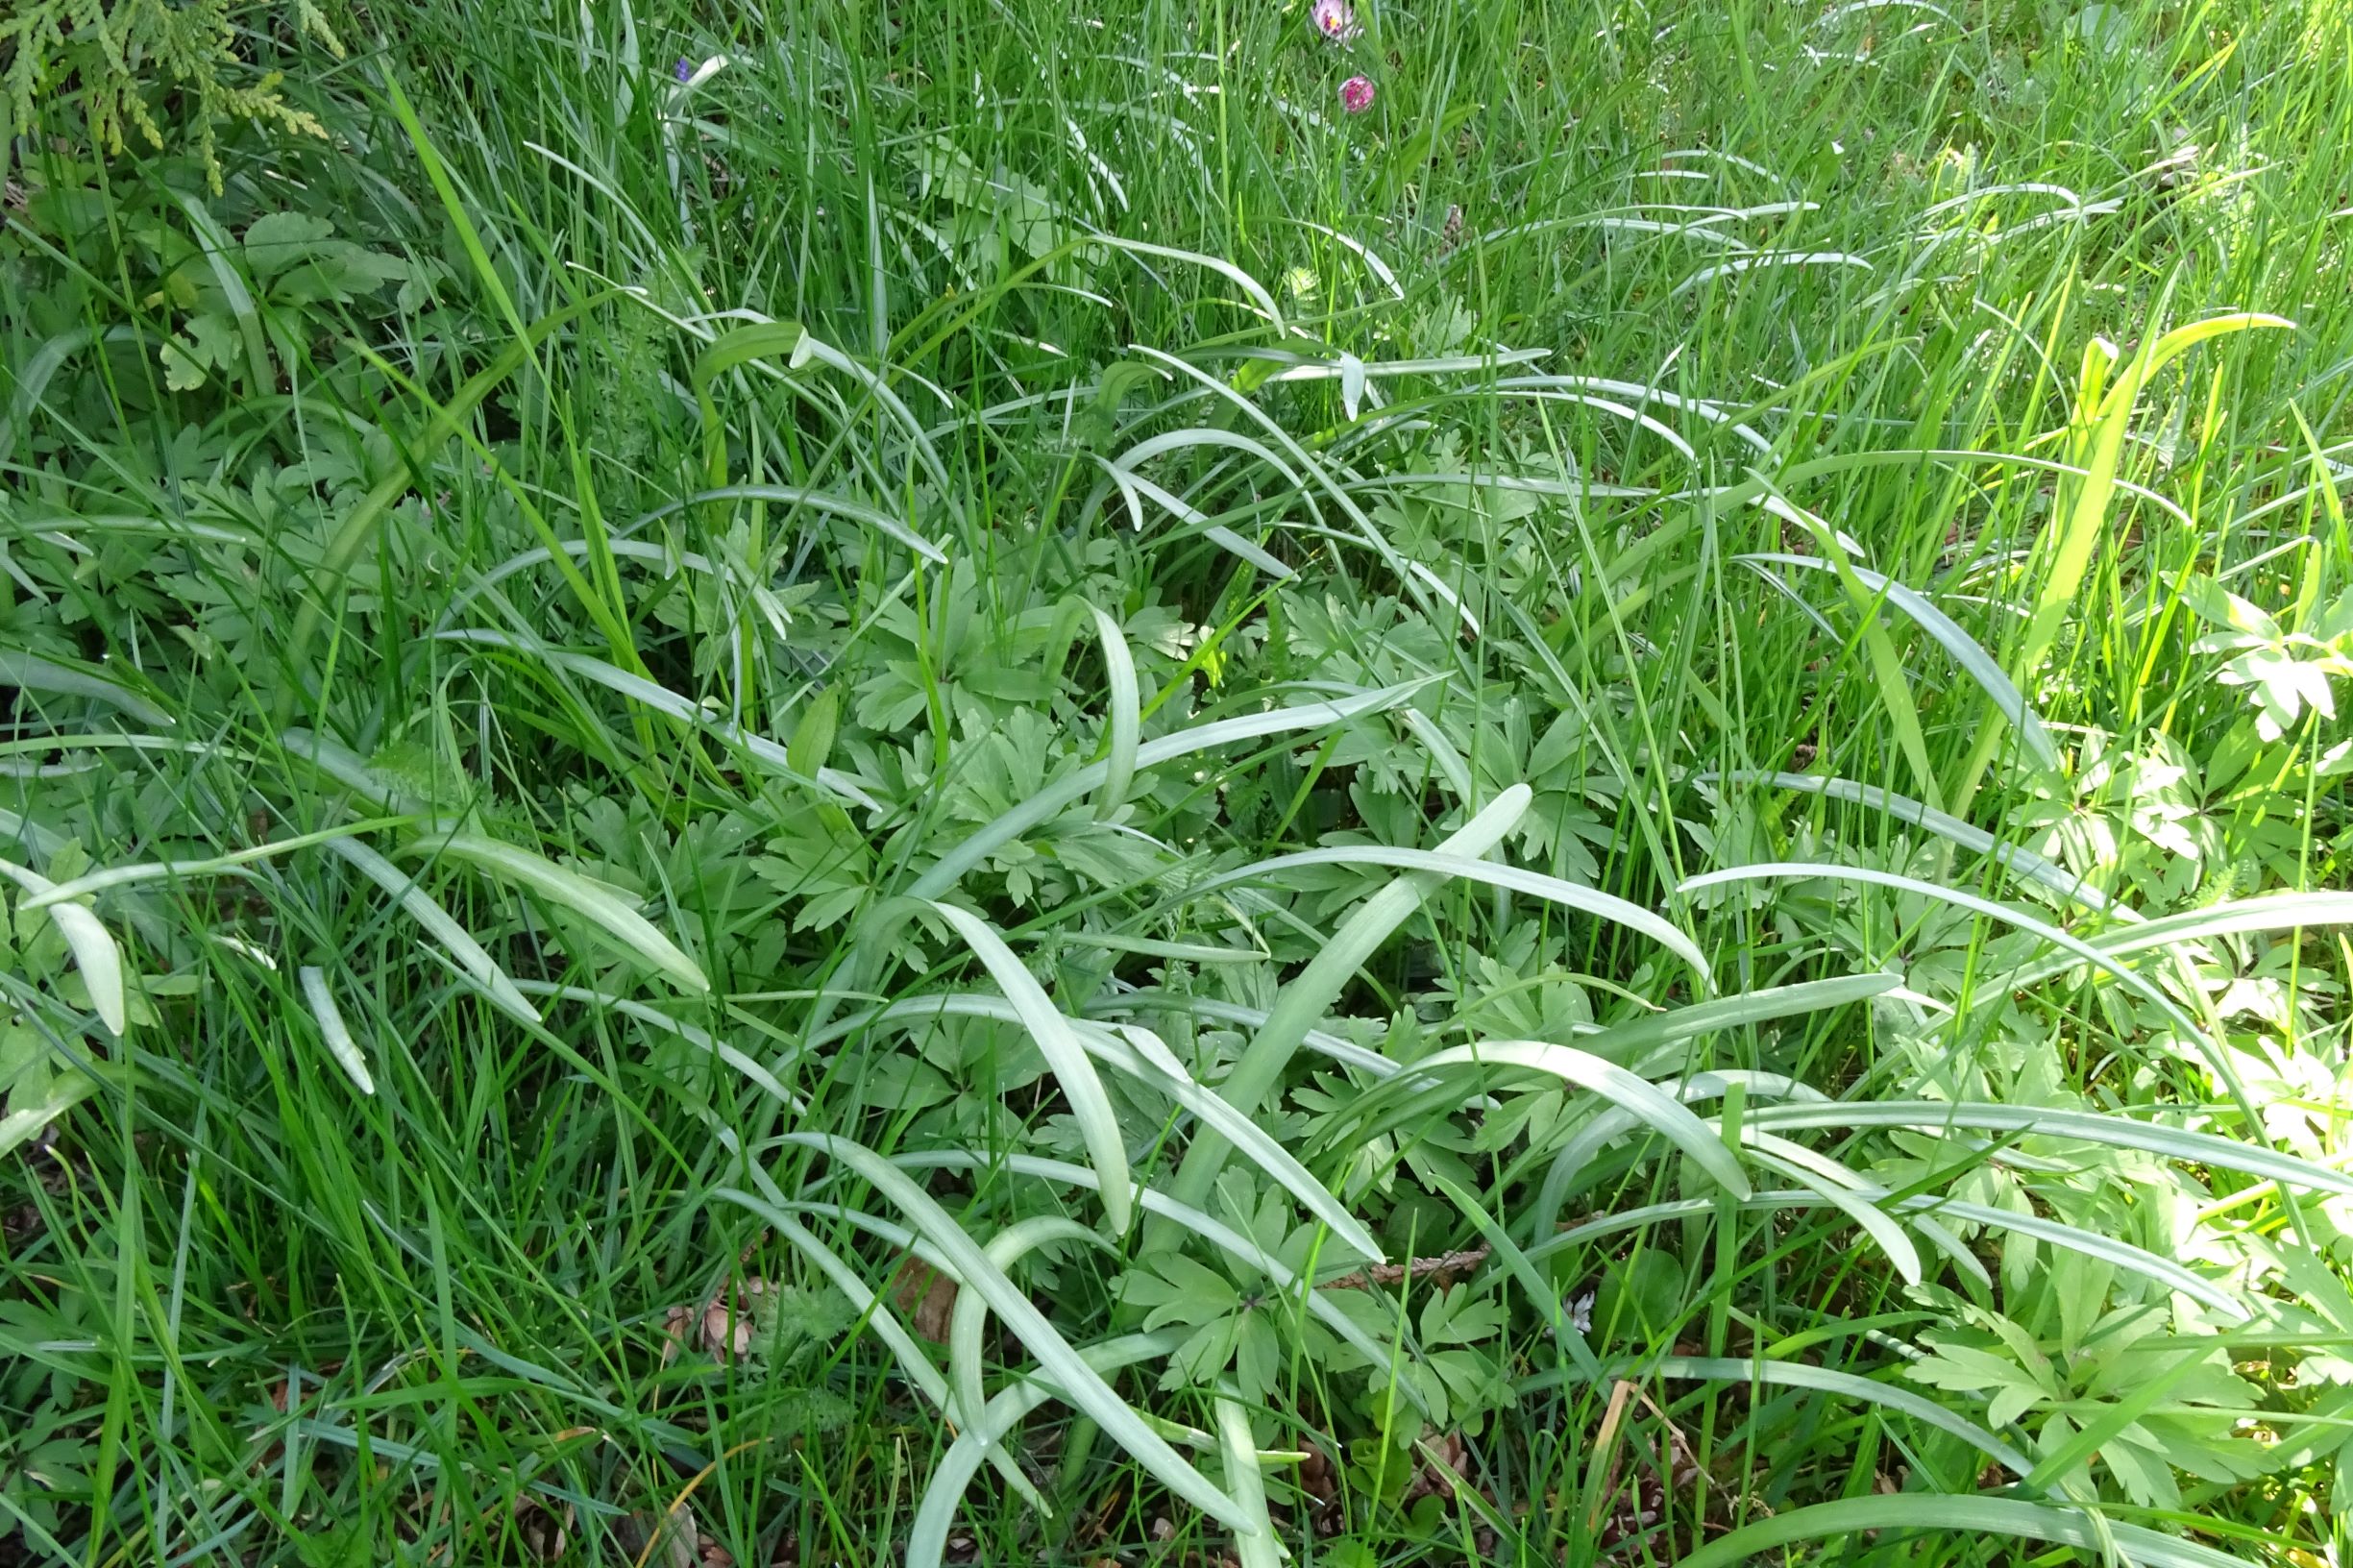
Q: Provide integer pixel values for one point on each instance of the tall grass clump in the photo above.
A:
(1527, 782)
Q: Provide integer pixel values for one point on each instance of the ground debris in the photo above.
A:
(1446, 1267)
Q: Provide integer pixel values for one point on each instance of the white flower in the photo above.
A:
(1336, 21)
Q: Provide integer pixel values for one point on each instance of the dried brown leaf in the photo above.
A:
(1446, 1460)
(545, 1533)
(925, 1296)
(723, 1326)
(670, 1539)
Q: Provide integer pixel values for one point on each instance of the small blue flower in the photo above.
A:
(684, 70)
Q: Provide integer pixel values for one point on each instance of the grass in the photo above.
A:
(1625, 730)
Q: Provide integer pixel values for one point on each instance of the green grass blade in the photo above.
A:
(357, 530)
(1974, 661)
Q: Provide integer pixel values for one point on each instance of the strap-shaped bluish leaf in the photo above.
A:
(2218, 1059)
(131, 874)
(927, 1539)
(1091, 1107)
(1970, 1518)
(969, 1317)
(601, 905)
(1125, 707)
(1320, 476)
(1470, 869)
(1147, 999)
(2134, 1259)
(1050, 801)
(1134, 489)
(1638, 1096)
(33, 673)
(1838, 1186)
(766, 753)
(2240, 917)
(1248, 1486)
(334, 1031)
(694, 1034)
(1779, 1374)
(92, 943)
(1138, 1053)
(1085, 1388)
(1980, 665)
(1616, 1121)
(420, 907)
(821, 502)
(2018, 862)
(27, 1116)
(1186, 1217)
(2051, 1121)
(2090, 1243)
(1302, 1002)
(769, 1207)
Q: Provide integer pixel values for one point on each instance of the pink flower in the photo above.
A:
(1356, 94)
(1336, 21)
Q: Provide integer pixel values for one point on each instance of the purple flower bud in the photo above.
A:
(684, 70)
(1356, 94)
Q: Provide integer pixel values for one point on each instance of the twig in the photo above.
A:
(1452, 1263)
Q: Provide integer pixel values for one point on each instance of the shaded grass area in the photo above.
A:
(663, 636)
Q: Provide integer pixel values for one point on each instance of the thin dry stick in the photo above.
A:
(1452, 1263)
(1620, 1392)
